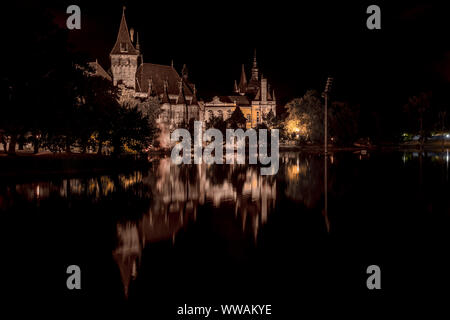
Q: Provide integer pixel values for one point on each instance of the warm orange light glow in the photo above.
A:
(298, 127)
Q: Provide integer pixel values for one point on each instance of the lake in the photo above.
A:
(214, 234)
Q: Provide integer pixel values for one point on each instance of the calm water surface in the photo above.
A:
(225, 234)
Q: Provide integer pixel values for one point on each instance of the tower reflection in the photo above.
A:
(177, 192)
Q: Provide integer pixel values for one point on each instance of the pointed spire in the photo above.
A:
(235, 89)
(255, 68)
(165, 98)
(194, 96)
(181, 99)
(258, 94)
(171, 63)
(123, 43)
(184, 72)
(138, 46)
(243, 81)
(273, 95)
(269, 95)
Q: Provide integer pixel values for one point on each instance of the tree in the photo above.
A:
(151, 109)
(236, 120)
(343, 119)
(103, 107)
(41, 86)
(305, 116)
(418, 108)
(270, 119)
(216, 122)
(130, 130)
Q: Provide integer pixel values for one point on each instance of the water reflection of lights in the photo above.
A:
(177, 192)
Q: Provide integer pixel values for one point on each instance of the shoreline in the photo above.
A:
(377, 148)
(23, 165)
(28, 165)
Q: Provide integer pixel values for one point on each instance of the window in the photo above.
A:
(257, 116)
(123, 47)
(220, 114)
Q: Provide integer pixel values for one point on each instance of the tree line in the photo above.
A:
(421, 115)
(50, 98)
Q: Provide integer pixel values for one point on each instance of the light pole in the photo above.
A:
(325, 94)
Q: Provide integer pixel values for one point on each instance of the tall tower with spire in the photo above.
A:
(124, 57)
(243, 82)
(255, 68)
(253, 84)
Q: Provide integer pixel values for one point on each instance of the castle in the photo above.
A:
(139, 81)
(252, 97)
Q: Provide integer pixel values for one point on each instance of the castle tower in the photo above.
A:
(255, 68)
(264, 90)
(124, 57)
(243, 82)
(182, 103)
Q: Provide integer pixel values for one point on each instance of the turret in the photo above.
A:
(243, 82)
(255, 68)
(184, 73)
(124, 57)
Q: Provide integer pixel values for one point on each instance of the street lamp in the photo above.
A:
(325, 95)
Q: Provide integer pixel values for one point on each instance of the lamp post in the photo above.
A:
(325, 95)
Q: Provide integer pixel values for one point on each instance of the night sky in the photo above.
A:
(298, 44)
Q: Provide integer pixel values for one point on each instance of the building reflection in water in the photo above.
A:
(153, 206)
(178, 192)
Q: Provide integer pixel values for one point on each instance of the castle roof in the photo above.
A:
(123, 43)
(160, 73)
(99, 71)
(238, 99)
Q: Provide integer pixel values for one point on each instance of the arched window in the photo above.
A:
(220, 114)
(210, 114)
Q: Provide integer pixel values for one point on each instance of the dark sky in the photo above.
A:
(298, 43)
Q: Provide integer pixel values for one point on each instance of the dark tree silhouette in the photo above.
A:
(236, 120)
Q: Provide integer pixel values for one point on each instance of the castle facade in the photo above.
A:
(139, 81)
